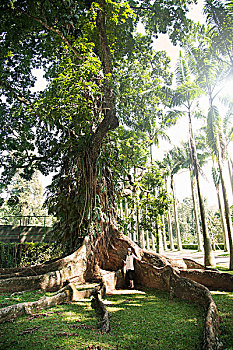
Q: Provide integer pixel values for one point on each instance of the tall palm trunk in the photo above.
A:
(209, 259)
(223, 221)
(226, 204)
(164, 233)
(170, 233)
(198, 229)
(160, 248)
(230, 168)
(179, 244)
(216, 179)
(170, 229)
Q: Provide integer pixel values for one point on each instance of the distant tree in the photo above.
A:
(211, 70)
(187, 221)
(146, 200)
(216, 179)
(24, 198)
(172, 163)
(185, 96)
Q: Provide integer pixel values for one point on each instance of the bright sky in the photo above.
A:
(179, 132)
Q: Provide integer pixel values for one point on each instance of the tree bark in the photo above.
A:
(179, 244)
(170, 233)
(209, 255)
(208, 252)
(170, 230)
(198, 230)
(160, 247)
(223, 221)
(226, 206)
(230, 168)
(110, 120)
(164, 233)
(101, 263)
(64, 295)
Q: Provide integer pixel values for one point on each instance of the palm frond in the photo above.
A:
(182, 70)
(215, 175)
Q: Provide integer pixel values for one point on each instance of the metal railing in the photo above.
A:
(25, 228)
(27, 220)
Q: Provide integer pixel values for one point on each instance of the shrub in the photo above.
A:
(24, 254)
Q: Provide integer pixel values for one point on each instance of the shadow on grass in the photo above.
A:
(138, 321)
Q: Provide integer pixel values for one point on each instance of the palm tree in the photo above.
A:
(219, 18)
(179, 244)
(164, 232)
(230, 169)
(211, 72)
(195, 210)
(170, 229)
(228, 133)
(186, 95)
(208, 256)
(183, 160)
(216, 179)
(169, 221)
(171, 167)
(220, 21)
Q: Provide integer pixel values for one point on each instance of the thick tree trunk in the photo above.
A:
(101, 262)
(110, 120)
(89, 262)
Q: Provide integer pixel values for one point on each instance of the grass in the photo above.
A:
(224, 269)
(149, 320)
(21, 297)
(224, 302)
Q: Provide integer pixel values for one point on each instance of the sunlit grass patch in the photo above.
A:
(138, 321)
(153, 321)
(21, 297)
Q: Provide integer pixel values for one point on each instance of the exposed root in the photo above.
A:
(96, 261)
(100, 308)
(11, 312)
(67, 294)
(214, 280)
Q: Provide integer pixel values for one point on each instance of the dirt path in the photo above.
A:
(221, 257)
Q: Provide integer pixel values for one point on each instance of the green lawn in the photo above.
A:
(224, 302)
(149, 320)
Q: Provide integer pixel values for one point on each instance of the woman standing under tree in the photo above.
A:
(129, 266)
